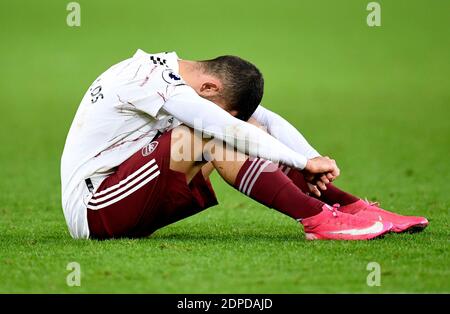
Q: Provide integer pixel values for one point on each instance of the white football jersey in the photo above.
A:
(120, 113)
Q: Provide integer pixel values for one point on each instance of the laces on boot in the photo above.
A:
(377, 204)
(334, 209)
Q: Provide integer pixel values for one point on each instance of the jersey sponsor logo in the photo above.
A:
(149, 148)
(171, 77)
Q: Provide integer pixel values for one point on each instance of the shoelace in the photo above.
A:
(377, 204)
(334, 209)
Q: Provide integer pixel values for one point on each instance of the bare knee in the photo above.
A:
(190, 151)
(186, 151)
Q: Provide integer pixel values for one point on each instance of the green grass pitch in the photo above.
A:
(375, 98)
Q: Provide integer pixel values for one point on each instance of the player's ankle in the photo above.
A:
(354, 207)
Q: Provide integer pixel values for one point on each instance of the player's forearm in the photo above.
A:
(284, 131)
(249, 139)
(255, 142)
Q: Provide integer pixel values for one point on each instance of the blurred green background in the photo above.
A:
(375, 98)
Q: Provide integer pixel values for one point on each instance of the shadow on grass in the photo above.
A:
(198, 235)
(226, 237)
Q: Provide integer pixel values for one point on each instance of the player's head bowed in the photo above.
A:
(229, 81)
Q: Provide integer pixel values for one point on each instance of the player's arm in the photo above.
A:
(286, 133)
(199, 113)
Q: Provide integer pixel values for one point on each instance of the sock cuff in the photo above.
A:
(249, 173)
(262, 179)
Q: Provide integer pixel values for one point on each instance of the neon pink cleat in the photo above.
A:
(372, 211)
(331, 224)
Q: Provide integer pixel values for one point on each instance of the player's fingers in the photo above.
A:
(314, 189)
(317, 191)
(337, 172)
(334, 170)
(330, 177)
(321, 185)
(324, 179)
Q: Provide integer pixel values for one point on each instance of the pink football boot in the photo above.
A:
(372, 211)
(331, 224)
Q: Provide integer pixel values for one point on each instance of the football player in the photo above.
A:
(150, 130)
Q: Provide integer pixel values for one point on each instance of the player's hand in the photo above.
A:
(321, 170)
(313, 189)
(322, 180)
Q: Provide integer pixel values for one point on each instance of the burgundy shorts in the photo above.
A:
(144, 194)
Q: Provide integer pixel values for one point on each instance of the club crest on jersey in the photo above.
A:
(171, 77)
(149, 148)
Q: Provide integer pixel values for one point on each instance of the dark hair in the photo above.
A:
(243, 83)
